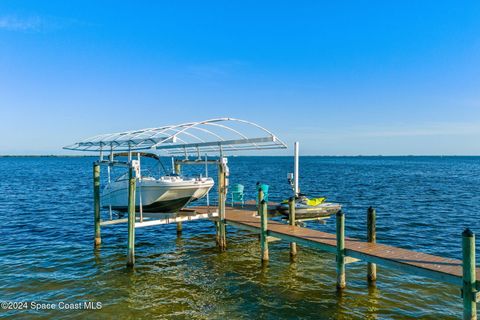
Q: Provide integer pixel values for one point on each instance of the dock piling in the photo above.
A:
(259, 197)
(179, 228)
(96, 202)
(291, 220)
(217, 232)
(178, 170)
(222, 191)
(131, 217)
(469, 277)
(371, 238)
(340, 226)
(263, 232)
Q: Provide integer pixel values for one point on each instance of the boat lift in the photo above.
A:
(188, 140)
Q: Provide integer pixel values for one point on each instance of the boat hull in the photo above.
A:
(155, 195)
(159, 206)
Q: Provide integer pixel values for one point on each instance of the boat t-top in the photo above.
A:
(187, 143)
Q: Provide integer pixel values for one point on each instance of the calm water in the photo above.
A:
(46, 252)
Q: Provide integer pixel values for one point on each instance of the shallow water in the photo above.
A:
(47, 256)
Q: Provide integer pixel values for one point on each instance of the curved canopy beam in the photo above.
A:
(221, 134)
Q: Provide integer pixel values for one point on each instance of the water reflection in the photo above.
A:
(373, 300)
(48, 255)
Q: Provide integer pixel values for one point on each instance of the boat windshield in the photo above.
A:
(147, 173)
(122, 177)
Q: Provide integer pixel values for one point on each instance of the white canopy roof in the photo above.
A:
(214, 135)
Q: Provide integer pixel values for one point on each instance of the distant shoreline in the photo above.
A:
(244, 156)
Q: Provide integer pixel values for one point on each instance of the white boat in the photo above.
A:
(166, 194)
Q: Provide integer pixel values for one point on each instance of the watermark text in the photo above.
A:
(61, 305)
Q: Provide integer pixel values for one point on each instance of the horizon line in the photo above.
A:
(307, 155)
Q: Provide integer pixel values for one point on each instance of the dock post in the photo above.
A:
(263, 231)
(131, 217)
(469, 277)
(221, 203)
(371, 238)
(291, 220)
(96, 202)
(179, 228)
(259, 197)
(178, 170)
(217, 232)
(340, 250)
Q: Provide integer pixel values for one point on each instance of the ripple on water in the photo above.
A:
(46, 253)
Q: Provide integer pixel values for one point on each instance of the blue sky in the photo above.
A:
(343, 78)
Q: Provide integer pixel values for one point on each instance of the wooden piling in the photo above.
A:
(178, 170)
(263, 231)
(179, 228)
(259, 197)
(416, 263)
(217, 232)
(221, 206)
(223, 236)
(469, 277)
(371, 238)
(341, 283)
(291, 220)
(131, 217)
(96, 202)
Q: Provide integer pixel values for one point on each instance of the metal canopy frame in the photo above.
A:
(214, 135)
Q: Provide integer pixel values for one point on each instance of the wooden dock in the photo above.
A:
(417, 263)
(462, 273)
(183, 141)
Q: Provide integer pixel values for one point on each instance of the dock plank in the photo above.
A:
(418, 263)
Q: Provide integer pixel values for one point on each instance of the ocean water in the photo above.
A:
(47, 254)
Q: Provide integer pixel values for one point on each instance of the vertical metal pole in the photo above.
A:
(469, 277)
(96, 202)
(296, 156)
(264, 232)
(371, 238)
(131, 217)
(291, 220)
(341, 250)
